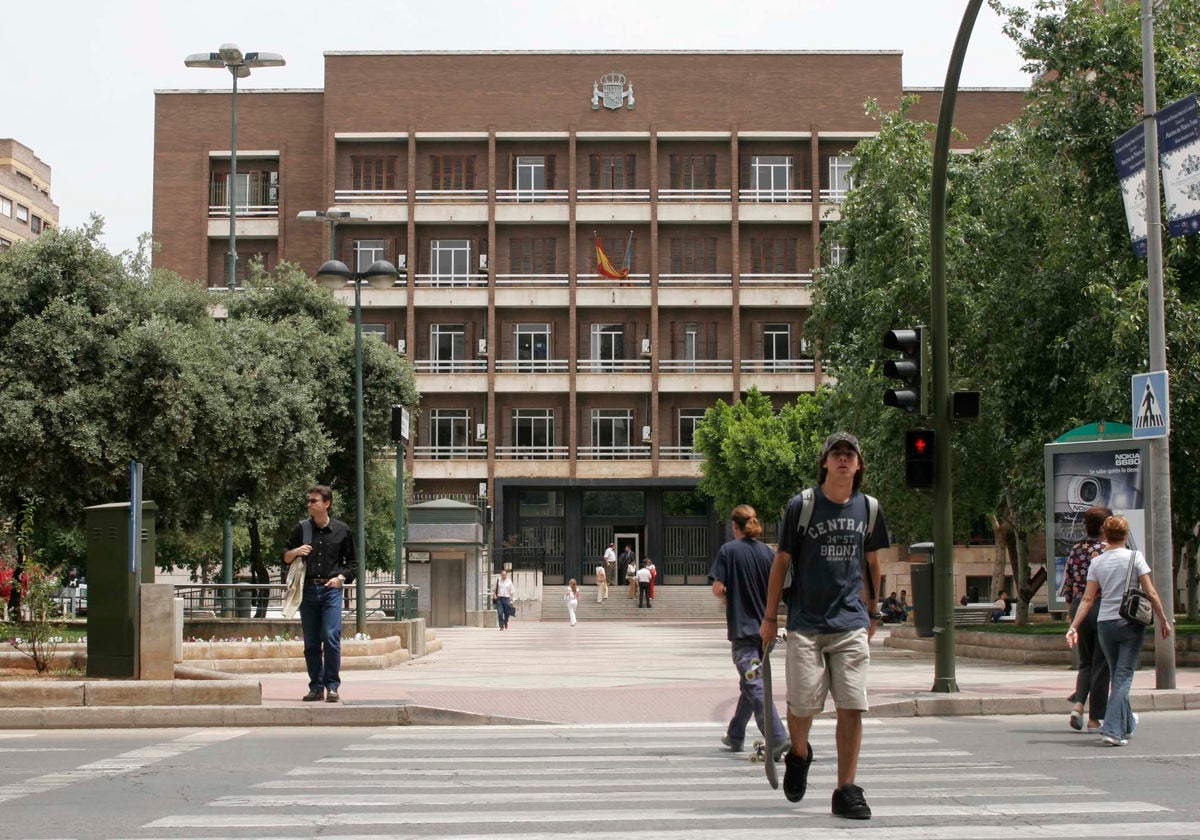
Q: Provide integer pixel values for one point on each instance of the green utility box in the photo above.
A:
(113, 620)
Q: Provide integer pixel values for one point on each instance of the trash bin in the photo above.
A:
(245, 598)
(921, 575)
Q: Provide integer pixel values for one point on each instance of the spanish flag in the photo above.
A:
(605, 266)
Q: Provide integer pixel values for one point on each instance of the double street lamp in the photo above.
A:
(335, 274)
(239, 65)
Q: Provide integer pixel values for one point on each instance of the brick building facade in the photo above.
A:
(25, 205)
(568, 397)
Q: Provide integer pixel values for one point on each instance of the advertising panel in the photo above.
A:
(1112, 473)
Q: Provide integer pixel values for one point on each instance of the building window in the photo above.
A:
(530, 177)
(532, 346)
(449, 431)
(533, 428)
(693, 172)
(611, 428)
(837, 252)
(612, 172)
(380, 331)
(777, 343)
(691, 342)
(22, 213)
(775, 255)
(532, 256)
(447, 345)
(689, 418)
(608, 346)
(253, 190)
(4, 244)
(368, 251)
(840, 179)
(373, 173)
(771, 177)
(696, 255)
(450, 261)
(35, 223)
(5, 207)
(452, 172)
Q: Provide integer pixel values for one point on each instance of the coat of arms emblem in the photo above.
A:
(613, 90)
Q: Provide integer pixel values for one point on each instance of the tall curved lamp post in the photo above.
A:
(333, 273)
(239, 65)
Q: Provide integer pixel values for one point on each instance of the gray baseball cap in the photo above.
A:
(840, 437)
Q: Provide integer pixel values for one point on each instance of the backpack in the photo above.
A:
(306, 538)
(808, 501)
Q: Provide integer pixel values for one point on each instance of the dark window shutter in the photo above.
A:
(512, 171)
(789, 255)
(759, 339)
(676, 256)
(469, 173)
(744, 176)
(435, 172)
(756, 257)
(710, 172)
(676, 175)
(630, 181)
(549, 172)
(594, 171)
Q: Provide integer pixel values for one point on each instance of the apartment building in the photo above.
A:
(25, 205)
(564, 389)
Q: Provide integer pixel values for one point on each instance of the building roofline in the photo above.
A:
(241, 91)
(608, 52)
(914, 89)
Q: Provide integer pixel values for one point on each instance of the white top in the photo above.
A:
(504, 588)
(610, 555)
(643, 575)
(1109, 571)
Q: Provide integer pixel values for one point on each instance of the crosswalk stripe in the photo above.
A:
(624, 755)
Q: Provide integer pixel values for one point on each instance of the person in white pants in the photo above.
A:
(601, 584)
(572, 597)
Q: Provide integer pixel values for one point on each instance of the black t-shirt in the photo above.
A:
(743, 566)
(826, 595)
(333, 550)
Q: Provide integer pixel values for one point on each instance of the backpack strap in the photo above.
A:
(306, 531)
(808, 501)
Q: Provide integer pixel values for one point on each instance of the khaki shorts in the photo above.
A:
(823, 664)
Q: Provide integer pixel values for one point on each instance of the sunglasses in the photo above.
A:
(315, 501)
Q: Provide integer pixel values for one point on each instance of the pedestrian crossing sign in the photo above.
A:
(1151, 405)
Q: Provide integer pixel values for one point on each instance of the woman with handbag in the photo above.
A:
(1123, 577)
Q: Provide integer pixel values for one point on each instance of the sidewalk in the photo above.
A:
(607, 672)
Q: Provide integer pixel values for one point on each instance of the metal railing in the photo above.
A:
(456, 366)
(695, 365)
(246, 600)
(614, 365)
(532, 365)
(771, 196)
(695, 279)
(370, 196)
(473, 196)
(533, 453)
(693, 195)
(530, 196)
(447, 281)
(777, 366)
(792, 279)
(532, 279)
(613, 195)
(458, 451)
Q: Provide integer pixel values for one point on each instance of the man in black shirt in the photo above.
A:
(330, 565)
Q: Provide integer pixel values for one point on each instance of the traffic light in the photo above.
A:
(920, 459)
(910, 369)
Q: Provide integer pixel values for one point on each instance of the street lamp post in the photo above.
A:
(332, 272)
(239, 65)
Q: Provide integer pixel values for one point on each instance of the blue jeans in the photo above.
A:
(504, 609)
(1121, 642)
(751, 699)
(321, 618)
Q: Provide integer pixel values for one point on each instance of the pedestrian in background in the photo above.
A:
(739, 576)
(1121, 640)
(601, 584)
(330, 563)
(502, 593)
(643, 579)
(572, 597)
(653, 575)
(1091, 681)
(631, 578)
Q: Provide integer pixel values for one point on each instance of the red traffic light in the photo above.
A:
(920, 453)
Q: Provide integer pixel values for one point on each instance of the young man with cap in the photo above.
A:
(830, 537)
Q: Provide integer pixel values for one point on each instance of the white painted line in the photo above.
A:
(758, 815)
(124, 763)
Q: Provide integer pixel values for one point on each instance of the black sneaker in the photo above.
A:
(734, 746)
(848, 802)
(795, 775)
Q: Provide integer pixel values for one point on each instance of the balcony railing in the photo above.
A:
(473, 196)
(695, 279)
(244, 211)
(695, 365)
(601, 280)
(613, 195)
(679, 453)
(451, 280)
(370, 196)
(613, 453)
(833, 195)
(693, 195)
(614, 365)
(777, 366)
(532, 279)
(532, 365)
(444, 453)
(451, 366)
(530, 196)
(771, 196)
(534, 453)
(791, 279)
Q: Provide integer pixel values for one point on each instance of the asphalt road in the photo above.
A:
(963, 777)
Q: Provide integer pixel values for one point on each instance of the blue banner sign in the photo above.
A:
(1179, 154)
(1130, 152)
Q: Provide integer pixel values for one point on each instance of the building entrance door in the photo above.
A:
(632, 539)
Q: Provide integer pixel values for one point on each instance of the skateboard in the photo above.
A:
(764, 750)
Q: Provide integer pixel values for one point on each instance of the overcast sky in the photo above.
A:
(81, 74)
